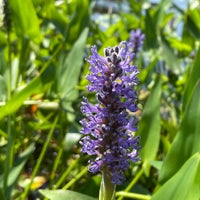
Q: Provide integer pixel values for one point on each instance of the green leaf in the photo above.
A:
(184, 184)
(3, 88)
(153, 23)
(25, 19)
(182, 47)
(58, 18)
(150, 30)
(193, 77)
(168, 54)
(2, 197)
(161, 13)
(145, 74)
(3, 40)
(156, 164)
(193, 18)
(16, 170)
(70, 140)
(69, 71)
(186, 142)
(64, 194)
(79, 21)
(38, 84)
(149, 126)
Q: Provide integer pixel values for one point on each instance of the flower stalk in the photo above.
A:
(107, 189)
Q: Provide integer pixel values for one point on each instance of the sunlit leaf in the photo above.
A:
(149, 126)
(64, 194)
(2, 40)
(16, 170)
(186, 142)
(193, 77)
(69, 70)
(150, 30)
(58, 18)
(179, 45)
(3, 89)
(76, 26)
(193, 18)
(70, 140)
(168, 54)
(38, 84)
(25, 19)
(184, 184)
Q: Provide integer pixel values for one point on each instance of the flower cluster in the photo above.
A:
(135, 41)
(109, 125)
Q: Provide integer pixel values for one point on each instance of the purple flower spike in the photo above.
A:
(136, 40)
(110, 124)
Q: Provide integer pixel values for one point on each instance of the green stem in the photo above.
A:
(64, 175)
(55, 166)
(133, 182)
(134, 195)
(107, 189)
(10, 144)
(9, 158)
(39, 161)
(78, 176)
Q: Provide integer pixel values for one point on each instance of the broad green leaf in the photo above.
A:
(3, 41)
(19, 97)
(193, 18)
(168, 54)
(69, 70)
(68, 73)
(16, 170)
(186, 142)
(161, 13)
(79, 21)
(193, 77)
(187, 37)
(70, 140)
(38, 84)
(2, 197)
(58, 18)
(3, 89)
(64, 194)
(184, 184)
(153, 23)
(156, 164)
(149, 126)
(146, 74)
(25, 19)
(179, 45)
(150, 30)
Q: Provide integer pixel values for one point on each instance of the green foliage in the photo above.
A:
(21, 15)
(64, 194)
(184, 184)
(42, 80)
(186, 142)
(149, 126)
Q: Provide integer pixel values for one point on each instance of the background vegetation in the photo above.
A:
(43, 46)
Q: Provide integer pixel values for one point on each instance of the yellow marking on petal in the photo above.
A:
(118, 80)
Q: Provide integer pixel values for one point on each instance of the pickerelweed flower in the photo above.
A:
(109, 125)
(135, 41)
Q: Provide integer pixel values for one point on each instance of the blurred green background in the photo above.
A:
(43, 47)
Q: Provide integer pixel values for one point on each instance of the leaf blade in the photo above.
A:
(186, 142)
(64, 194)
